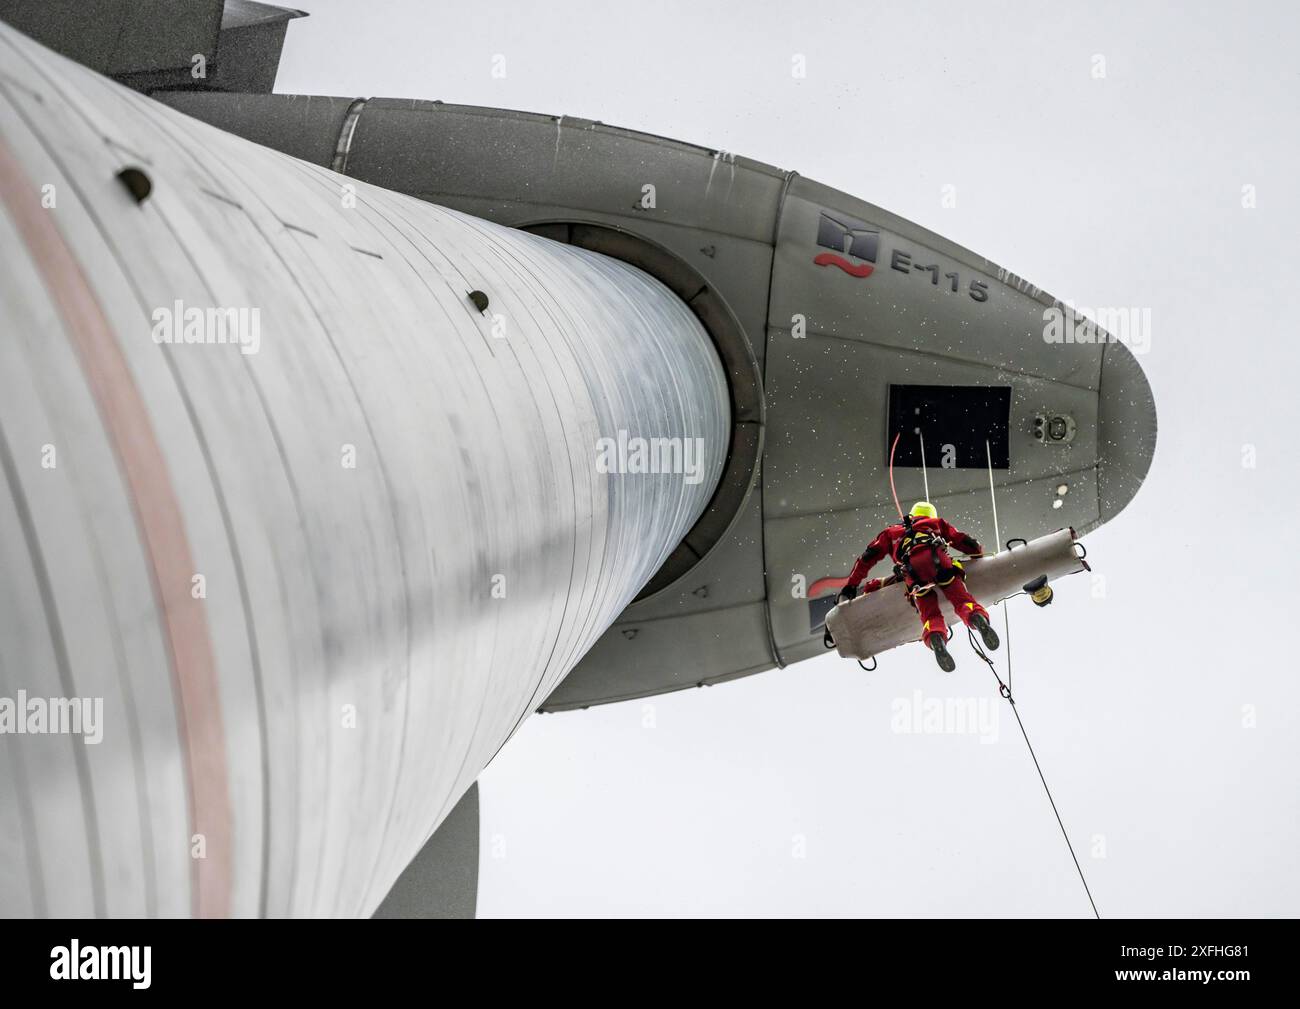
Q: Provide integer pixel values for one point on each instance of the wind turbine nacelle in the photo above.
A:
(839, 325)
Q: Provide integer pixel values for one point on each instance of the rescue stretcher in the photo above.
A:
(883, 618)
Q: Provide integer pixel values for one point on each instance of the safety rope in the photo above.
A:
(1006, 628)
(925, 475)
(1005, 690)
(997, 535)
(892, 488)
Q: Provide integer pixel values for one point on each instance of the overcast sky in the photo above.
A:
(1161, 699)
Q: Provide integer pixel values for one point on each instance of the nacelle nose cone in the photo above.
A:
(1126, 430)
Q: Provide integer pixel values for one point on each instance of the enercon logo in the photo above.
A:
(851, 240)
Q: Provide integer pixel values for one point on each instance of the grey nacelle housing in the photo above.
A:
(840, 325)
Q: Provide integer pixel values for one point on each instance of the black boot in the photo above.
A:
(941, 654)
(990, 636)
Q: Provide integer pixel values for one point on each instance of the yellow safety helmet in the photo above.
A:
(924, 509)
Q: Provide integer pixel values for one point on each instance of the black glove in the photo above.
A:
(846, 593)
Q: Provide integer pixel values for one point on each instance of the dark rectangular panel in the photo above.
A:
(817, 610)
(955, 420)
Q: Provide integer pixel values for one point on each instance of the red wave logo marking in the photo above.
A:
(852, 269)
(824, 585)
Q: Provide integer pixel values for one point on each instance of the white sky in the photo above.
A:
(1125, 191)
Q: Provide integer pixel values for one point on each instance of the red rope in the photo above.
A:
(891, 474)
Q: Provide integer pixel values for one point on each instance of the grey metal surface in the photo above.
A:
(127, 36)
(750, 232)
(149, 44)
(248, 49)
(317, 586)
(881, 620)
(442, 880)
(311, 132)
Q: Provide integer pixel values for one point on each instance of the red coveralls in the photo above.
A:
(923, 558)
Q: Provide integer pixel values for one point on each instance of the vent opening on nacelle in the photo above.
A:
(956, 422)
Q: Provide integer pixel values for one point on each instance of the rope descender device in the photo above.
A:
(1039, 591)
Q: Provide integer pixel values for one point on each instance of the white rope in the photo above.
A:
(924, 475)
(997, 535)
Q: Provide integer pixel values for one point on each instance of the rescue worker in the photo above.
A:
(918, 546)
